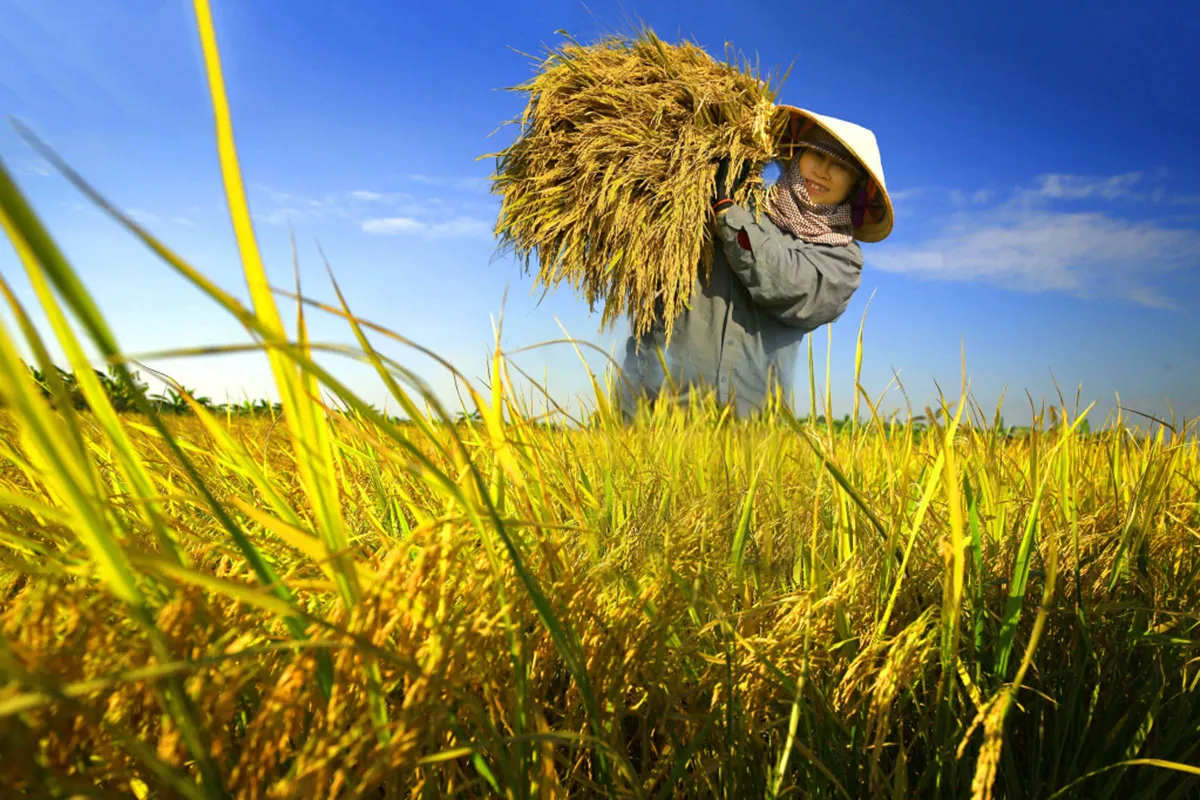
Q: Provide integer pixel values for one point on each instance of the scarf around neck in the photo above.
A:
(790, 207)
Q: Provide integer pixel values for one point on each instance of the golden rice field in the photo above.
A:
(324, 603)
(680, 608)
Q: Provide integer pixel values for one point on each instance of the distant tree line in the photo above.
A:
(123, 396)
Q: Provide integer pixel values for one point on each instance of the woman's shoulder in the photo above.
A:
(850, 252)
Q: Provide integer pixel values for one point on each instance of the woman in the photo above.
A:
(774, 278)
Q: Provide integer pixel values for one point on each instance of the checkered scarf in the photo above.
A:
(790, 207)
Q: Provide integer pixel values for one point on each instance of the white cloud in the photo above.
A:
(347, 205)
(1050, 188)
(392, 225)
(144, 217)
(465, 184)
(904, 195)
(281, 216)
(463, 227)
(1039, 250)
(910, 202)
(278, 197)
(31, 167)
(1149, 296)
(459, 228)
(1026, 240)
(1077, 187)
(381, 213)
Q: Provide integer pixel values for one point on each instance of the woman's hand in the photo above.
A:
(725, 190)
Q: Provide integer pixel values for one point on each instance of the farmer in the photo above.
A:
(774, 278)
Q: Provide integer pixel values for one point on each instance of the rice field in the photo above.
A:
(317, 601)
(683, 607)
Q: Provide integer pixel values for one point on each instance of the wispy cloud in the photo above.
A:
(381, 213)
(30, 167)
(464, 184)
(282, 207)
(1028, 243)
(1132, 187)
(905, 195)
(907, 202)
(459, 228)
(1078, 187)
(390, 226)
(144, 217)
(141, 216)
(282, 216)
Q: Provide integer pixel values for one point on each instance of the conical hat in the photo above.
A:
(877, 221)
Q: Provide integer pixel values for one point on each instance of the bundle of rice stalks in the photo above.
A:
(609, 184)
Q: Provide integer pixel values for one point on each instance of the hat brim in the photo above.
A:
(868, 231)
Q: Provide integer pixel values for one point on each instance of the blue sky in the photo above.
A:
(1041, 156)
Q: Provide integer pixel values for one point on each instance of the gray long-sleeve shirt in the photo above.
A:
(766, 290)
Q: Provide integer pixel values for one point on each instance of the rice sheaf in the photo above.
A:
(609, 183)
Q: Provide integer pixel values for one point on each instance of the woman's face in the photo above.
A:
(828, 181)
